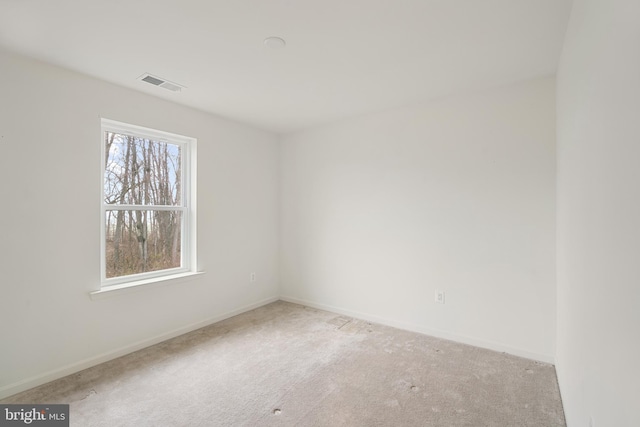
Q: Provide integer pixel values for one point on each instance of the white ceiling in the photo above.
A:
(343, 57)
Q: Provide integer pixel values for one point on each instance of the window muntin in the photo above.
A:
(146, 204)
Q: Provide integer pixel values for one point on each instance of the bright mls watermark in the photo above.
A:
(34, 415)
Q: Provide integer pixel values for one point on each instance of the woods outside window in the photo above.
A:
(148, 203)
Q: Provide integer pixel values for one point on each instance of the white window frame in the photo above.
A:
(188, 254)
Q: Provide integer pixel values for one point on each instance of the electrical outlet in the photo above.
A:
(439, 297)
(252, 277)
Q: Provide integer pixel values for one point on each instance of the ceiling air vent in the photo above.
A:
(165, 84)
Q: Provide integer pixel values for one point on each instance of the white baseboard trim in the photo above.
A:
(11, 389)
(490, 345)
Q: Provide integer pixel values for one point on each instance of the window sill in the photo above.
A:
(123, 288)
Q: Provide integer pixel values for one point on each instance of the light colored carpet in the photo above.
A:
(289, 365)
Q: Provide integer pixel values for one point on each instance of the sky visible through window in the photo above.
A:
(133, 163)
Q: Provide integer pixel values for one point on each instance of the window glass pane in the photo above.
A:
(139, 241)
(141, 171)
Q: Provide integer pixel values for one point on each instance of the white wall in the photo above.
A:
(598, 350)
(378, 212)
(50, 216)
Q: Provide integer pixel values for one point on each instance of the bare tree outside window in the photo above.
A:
(143, 204)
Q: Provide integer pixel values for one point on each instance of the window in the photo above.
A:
(148, 204)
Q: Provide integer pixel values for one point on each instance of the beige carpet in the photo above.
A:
(288, 365)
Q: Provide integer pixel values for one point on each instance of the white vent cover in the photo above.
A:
(163, 83)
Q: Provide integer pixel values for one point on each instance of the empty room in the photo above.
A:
(320, 213)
